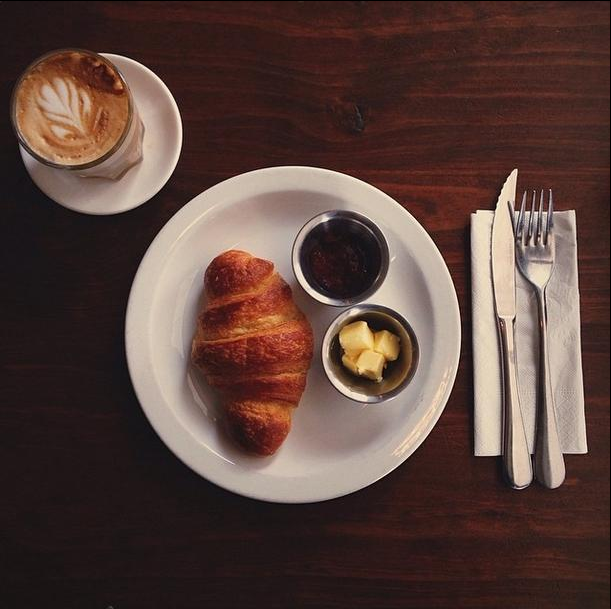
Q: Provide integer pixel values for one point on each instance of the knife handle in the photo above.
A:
(516, 455)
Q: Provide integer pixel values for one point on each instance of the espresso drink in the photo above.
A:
(72, 109)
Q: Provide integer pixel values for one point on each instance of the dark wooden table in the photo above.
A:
(433, 103)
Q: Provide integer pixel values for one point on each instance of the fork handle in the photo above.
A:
(549, 460)
(516, 455)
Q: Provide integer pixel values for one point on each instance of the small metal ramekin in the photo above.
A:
(359, 223)
(397, 375)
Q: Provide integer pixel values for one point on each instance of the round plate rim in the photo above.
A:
(133, 340)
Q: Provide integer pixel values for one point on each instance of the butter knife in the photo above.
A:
(516, 455)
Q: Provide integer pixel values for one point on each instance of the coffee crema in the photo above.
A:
(71, 108)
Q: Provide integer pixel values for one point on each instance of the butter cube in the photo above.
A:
(387, 344)
(349, 362)
(370, 365)
(356, 337)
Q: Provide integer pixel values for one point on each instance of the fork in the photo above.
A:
(535, 252)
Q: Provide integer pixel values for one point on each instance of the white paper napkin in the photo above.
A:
(564, 341)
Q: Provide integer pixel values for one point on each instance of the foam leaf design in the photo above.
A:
(65, 107)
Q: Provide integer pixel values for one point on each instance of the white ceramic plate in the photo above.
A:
(336, 446)
(161, 148)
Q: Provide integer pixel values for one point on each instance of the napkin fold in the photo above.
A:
(564, 332)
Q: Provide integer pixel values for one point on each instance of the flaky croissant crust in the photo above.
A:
(254, 346)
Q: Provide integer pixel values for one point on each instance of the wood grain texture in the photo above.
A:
(433, 103)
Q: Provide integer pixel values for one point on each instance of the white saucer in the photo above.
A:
(161, 147)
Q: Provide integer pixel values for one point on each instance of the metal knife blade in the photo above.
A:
(503, 250)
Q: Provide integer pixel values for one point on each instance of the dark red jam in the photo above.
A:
(342, 262)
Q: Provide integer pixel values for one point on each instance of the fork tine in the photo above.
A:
(548, 220)
(550, 216)
(531, 220)
(539, 236)
(520, 223)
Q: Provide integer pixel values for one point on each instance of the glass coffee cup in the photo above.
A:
(73, 110)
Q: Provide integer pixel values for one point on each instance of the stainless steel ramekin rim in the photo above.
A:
(353, 216)
(108, 153)
(330, 333)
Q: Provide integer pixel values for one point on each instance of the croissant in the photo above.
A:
(254, 346)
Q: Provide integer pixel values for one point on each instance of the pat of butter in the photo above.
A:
(365, 353)
(387, 344)
(356, 337)
(370, 365)
(349, 362)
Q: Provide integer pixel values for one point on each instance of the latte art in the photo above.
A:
(66, 108)
(72, 108)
